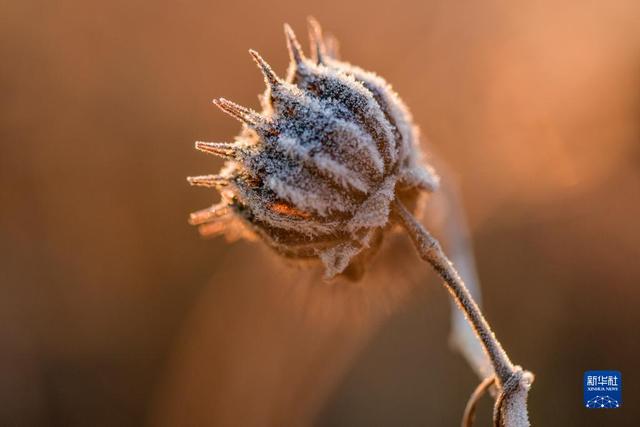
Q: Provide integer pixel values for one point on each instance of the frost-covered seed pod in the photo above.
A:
(313, 174)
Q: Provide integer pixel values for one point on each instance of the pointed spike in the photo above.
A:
(238, 112)
(210, 181)
(246, 115)
(317, 42)
(208, 215)
(295, 51)
(271, 78)
(332, 46)
(221, 149)
(212, 229)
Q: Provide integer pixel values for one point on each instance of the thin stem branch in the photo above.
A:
(470, 410)
(512, 380)
(430, 250)
(445, 212)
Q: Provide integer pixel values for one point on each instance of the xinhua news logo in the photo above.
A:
(602, 389)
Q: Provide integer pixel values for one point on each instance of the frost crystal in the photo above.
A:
(313, 174)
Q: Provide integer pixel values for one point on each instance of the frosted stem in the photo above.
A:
(446, 213)
(510, 409)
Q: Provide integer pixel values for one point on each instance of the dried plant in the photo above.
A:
(324, 170)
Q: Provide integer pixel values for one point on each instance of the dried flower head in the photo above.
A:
(314, 173)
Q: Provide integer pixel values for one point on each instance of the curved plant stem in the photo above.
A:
(445, 212)
(511, 379)
(429, 249)
(470, 410)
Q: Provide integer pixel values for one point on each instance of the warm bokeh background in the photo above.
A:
(114, 313)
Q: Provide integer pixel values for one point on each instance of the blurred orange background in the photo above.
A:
(115, 313)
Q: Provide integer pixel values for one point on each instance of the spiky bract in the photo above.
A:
(313, 174)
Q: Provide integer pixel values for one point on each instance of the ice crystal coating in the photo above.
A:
(313, 174)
